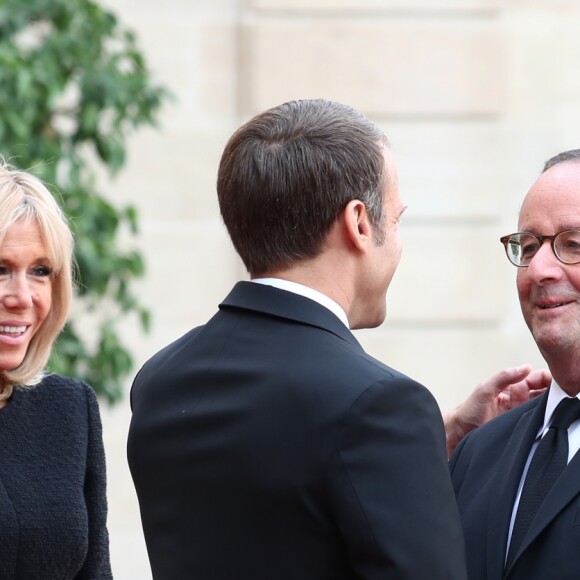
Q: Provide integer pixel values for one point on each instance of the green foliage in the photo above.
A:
(73, 87)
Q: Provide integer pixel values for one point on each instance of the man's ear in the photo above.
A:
(357, 225)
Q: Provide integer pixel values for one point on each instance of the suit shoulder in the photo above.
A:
(384, 376)
(171, 349)
(488, 437)
(364, 379)
(506, 421)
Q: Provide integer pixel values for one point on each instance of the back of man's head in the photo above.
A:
(285, 176)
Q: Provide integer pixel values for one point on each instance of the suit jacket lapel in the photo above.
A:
(509, 471)
(565, 490)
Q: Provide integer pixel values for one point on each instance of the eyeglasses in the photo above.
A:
(521, 247)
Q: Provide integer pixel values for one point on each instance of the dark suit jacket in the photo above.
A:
(267, 445)
(486, 470)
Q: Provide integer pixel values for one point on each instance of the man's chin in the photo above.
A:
(550, 342)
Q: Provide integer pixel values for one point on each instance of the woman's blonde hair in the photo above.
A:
(24, 197)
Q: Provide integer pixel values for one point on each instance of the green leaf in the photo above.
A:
(74, 82)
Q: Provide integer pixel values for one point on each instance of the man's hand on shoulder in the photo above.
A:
(502, 391)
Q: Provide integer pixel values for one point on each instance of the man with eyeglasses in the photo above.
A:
(517, 478)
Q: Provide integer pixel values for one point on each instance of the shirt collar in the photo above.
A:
(555, 395)
(307, 292)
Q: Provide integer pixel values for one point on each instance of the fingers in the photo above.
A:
(532, 386)
(536, 382)
(501, 392)
(503, 379)
(518, 393)
(504, 402)
(539, 379)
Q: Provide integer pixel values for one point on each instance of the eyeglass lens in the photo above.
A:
(521, 248)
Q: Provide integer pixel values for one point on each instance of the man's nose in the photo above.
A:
(545, 265)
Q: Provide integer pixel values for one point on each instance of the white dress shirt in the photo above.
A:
(307, 292)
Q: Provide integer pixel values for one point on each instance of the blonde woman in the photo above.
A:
(52, 467)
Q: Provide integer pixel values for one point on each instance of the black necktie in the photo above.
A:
(550, 458)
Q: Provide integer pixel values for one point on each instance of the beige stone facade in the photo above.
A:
(474, 96)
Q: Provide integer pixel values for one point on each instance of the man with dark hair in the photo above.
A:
(517, 479)
(287, 175)
(266, 444)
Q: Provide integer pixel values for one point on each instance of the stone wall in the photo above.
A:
(474, 96)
